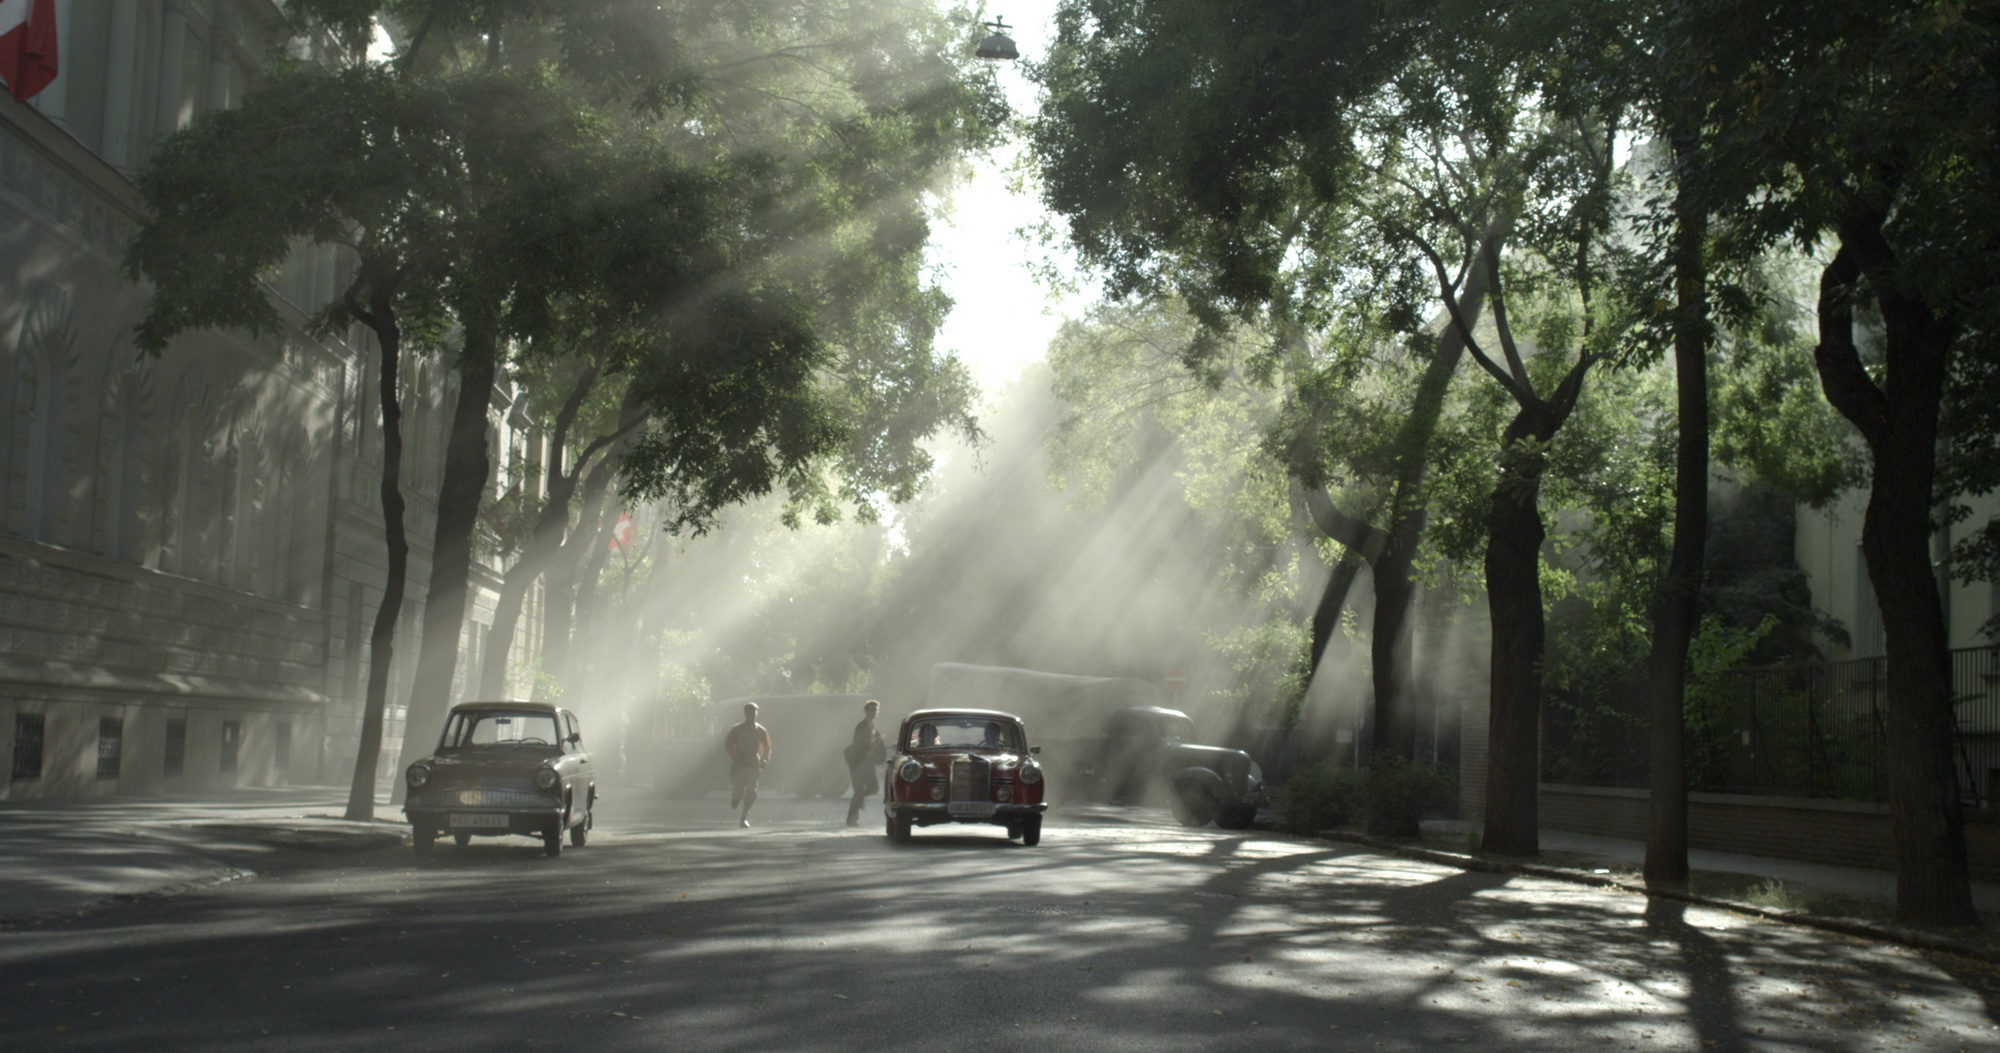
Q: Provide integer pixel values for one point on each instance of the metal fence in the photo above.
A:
(1806, 730)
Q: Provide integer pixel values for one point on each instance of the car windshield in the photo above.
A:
(964, 733)
(487, 727)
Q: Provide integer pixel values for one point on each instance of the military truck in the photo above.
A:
(1108, 739)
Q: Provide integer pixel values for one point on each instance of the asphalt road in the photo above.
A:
(674, 930)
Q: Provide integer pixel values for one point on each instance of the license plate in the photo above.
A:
(480, 821)
(971, 808)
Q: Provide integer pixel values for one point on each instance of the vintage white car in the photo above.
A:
(503, 768)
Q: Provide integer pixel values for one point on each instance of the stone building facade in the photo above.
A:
(191, 550)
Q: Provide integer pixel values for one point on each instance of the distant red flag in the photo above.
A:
(621, 534)
(27, 46)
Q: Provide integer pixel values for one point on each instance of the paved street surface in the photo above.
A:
(674, 930)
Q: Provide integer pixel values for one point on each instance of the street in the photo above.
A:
(674, 930)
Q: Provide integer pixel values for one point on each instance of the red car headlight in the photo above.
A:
(1031, 773)
(911, 771)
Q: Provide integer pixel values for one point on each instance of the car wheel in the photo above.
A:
(580, 833)
(552, 840)
(1031, 832)
(1194, 807)
(421, 839)
(461, 840)
(899, 828)
(1236, 817)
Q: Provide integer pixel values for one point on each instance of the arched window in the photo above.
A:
(123, 517)
(189, 494)
(38, 470)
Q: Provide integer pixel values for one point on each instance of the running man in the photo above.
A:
(749, 747)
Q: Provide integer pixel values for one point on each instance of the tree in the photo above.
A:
(838, 120)
(1307, 120)
(341, 157)
(507, 192)
(1867, 128)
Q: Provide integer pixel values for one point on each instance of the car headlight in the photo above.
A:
(1031, 773)
(546, 778)
(418, 775)
(911, 771)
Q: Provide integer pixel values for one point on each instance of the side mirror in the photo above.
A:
(1034, 749)
(574, 739)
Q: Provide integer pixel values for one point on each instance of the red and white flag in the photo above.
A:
(27, 46)
(622, 533)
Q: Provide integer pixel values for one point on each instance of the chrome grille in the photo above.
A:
(481, 798)
(971, 779)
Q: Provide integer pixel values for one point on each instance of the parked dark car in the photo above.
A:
(964, 766)
(1150, 751)
(503, 768)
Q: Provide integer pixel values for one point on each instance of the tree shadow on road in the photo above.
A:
(1141, 937)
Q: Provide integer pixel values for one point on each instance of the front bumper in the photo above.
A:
(930, 813)
(483, 811)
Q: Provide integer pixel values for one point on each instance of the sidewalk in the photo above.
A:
(1855, 900)
(60, 857)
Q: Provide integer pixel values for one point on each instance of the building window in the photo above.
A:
(110, 747)
(232, 734)
(281, 750)
(177, 742)
(27, 745)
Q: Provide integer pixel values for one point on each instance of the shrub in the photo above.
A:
(1317, 797)
(1399, 793)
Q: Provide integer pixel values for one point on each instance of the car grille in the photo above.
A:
(971, 779)
(482, 798)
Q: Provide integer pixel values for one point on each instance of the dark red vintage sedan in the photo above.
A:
(964, 766)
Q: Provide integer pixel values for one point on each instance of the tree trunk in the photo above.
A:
(1899, 420)
(1391, 552)
(595, 556)
(1514, 603)
(551, 523)
(1677, 607)
(563, 572)
(1332, 600)
(466, 470)
(381, 318)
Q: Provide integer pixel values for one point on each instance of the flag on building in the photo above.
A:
(622, 532)
(27, 46)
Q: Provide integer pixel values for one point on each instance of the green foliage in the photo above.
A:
(1400, 794)
(1318, 797)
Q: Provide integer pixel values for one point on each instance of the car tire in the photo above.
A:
(552, 840)
(899, 828)
(1236, 816)
(580, 833)
(461, 840)
(1031, 832)
(422, 838)
(1194, 807)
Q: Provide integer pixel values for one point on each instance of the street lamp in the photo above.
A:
(999, 45)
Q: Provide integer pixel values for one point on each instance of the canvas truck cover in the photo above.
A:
(1059, 708)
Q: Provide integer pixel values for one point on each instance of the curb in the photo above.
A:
(1917, 938)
